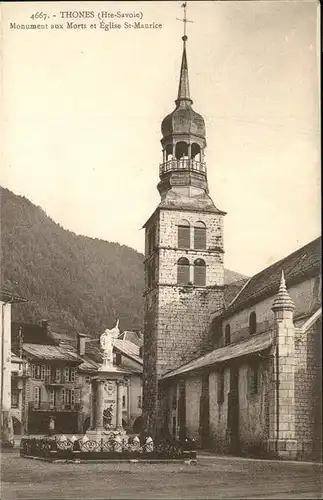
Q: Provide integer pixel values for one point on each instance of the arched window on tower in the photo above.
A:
(252, 323)
(183, 271)
(199, 235)
(168, 152)
(199, 272)
(183, 236)
(196, 152)
(181, 150)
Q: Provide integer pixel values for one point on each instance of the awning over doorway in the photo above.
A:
(253, 344)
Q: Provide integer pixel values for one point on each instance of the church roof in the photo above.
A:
(298, 266)
(202, 202)
(252, 345)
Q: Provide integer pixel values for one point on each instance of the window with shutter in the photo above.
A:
(14, 398)
(52, 398)
(200, 236)
(36, 397)
(184, 234)
(33, 371)
(43, 372)
(58, 375)
(77, 395)
(37, 372)
(183, 271)
(199, 272)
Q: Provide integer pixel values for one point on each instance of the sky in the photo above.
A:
(82, 110)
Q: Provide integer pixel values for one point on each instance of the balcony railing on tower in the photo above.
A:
(182, 164)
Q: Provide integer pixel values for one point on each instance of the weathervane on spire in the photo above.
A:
(184, 21)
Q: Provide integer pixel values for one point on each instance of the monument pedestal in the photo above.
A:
(107, 395)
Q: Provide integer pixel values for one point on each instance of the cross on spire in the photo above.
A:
(184, 21)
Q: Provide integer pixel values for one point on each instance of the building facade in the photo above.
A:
(51, 379)
(184, 275)
(6, 300)
(258, 392)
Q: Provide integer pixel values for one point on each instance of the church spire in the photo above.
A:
(183, 87)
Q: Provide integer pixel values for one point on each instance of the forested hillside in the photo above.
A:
(78, 283)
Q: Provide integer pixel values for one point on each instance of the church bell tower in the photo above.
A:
(184, 274)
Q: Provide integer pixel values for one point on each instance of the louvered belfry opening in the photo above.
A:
(199, 235)
(183, 271)
(184, 234)
(199, 272)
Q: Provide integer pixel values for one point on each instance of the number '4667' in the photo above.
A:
(39, 15)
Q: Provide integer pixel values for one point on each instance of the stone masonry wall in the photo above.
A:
(193, 388)
(183, 324)
(253, 408)
(218, 411)
(150, 385)
(308, 395)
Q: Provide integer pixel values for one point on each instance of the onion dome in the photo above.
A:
(183, 120)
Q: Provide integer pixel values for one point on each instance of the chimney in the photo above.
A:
(45, 326)
(81, 344)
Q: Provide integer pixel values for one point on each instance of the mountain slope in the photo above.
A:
(78, 283)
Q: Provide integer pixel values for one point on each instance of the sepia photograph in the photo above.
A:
(160, 234)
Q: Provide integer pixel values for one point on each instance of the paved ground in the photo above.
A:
(213, 477)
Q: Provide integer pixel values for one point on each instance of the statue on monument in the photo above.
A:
(106, 343)
(107, 417)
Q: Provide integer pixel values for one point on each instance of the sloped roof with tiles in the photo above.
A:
(246, 347)
(302, 264)
(135, 337)
(128, 349)
(52, 353)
